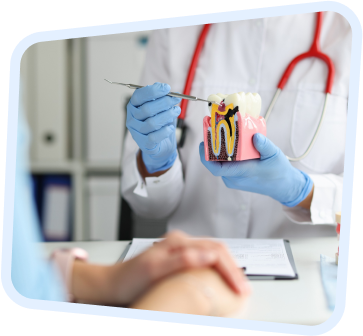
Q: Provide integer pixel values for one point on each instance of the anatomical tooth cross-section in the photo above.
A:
(228, 132)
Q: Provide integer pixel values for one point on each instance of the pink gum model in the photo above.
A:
(247, 127)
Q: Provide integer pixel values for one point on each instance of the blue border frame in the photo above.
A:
(169, 23)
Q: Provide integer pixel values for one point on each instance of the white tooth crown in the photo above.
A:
(253, 104)
(249, 103)
(214, 98)
(222, 95)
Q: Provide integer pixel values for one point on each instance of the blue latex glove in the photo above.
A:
(151, 120)
(271, 175)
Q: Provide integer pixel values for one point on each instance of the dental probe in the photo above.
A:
(172, 94)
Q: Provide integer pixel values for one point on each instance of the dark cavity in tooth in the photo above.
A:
(230, 114)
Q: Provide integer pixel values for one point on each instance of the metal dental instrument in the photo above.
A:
(172, 94)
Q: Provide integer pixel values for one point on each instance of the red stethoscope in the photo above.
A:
(314, 51)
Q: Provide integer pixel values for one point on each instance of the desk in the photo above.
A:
(299, 301)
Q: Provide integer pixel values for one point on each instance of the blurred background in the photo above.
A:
(77, 125)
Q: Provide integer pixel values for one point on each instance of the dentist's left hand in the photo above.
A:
(271, 175)
(151, 120)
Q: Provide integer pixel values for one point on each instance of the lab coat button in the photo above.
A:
(156, 181)
(322, 214)
(243, 207)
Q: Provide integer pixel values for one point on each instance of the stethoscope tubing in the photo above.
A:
(314, 51)
(317, 131)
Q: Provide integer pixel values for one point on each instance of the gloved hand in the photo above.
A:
(151, 120)
(271, 175)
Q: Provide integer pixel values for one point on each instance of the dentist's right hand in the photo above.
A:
(151, 120)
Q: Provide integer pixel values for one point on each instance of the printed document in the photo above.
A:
(258, 256)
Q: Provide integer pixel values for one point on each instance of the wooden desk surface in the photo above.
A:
(299, 301)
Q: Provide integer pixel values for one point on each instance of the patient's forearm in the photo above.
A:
(91, 283)
(106, 285)
(178, 293)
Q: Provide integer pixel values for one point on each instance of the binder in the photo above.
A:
(56, 208)
(36, 193)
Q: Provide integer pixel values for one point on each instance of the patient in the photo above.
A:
(177, 275)
(193, 276)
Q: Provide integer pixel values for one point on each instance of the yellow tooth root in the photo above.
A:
(215, 130)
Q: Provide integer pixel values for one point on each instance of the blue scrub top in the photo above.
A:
(32, 276)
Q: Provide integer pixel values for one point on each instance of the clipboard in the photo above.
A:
(272, 277)
(123, 254)
(250, 276)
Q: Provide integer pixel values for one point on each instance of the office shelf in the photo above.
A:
(93, 114)
(74, 164)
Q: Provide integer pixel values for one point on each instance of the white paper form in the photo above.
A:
(261, 256)
(258, 256)
(138, 246)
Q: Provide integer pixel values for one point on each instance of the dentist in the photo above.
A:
(262, 198)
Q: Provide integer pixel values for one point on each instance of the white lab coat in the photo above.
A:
(249, 56)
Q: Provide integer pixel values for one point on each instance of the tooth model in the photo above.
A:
(229, 130)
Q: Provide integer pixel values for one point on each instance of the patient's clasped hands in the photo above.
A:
(177, 253)
(177, 263)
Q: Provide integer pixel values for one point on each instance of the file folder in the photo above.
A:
(103, 207)
(56, 209)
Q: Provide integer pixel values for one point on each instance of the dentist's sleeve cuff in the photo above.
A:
(327, 198)
(140, 186)
(326, 201)
(154, 182)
